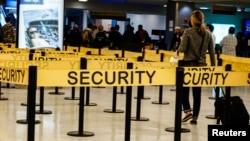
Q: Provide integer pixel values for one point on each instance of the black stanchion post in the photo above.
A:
(72, 95)
(161, 87)
(31, 102)
(157, 51)
(140, 91)
(227, 110)
(143, 51)
(178, 105)
(140, 59)
(81, 132)
(41, 107)
(217, 95)
(30, 59)
(88, 98)
(99, 51)
(128, 108)
(121, 90)
(56, 88)
(2, 98)
(114, 110)
(57, 92)
(31, 99)
(123, 52)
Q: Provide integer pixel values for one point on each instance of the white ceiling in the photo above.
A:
(198, 3)
(209, 2)
(237, 3)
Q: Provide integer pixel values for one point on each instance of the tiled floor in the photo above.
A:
(105, 126)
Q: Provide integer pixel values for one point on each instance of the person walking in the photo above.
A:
(8, 32)
(229, 43)
(196, 41)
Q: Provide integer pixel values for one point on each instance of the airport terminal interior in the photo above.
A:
(102, 120)
(102, 112)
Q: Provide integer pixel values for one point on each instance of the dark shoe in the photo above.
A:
(187, 117)
(194, 122)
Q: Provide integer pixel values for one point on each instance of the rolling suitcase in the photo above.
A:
(237, 111)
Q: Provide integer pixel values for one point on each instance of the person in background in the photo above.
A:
(141, 35)
(8, 32)
(128, 35)
(100, 38)
(115, 37)
(210, 29)
(176, 39)
(87, 35)
(195, 43)
(229, 42)
(75, 37)
(241, 45)
(94, 31)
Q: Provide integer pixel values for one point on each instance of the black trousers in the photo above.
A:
(195, 90)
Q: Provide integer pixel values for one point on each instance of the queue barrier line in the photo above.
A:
(159, 72)
(237, 63)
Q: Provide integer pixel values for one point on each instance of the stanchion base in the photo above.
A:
(143, 98)
(120, 92)
(213, 98)
(90, 104)
(3, 98)
(98, 87)
(43, 112)
(57, 93)
(25, 104)
(24, 121)
(70, 98)
(162, 103)
(113, 111)
(211, 116)
(140, 119)
(80, 134)
(171, 129)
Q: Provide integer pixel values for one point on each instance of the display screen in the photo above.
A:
(221, 30)
(10, 4)
(246, 27)
(41, 24)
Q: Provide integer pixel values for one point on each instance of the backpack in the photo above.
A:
(86, 37)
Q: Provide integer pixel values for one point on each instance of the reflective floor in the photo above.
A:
(98, 124)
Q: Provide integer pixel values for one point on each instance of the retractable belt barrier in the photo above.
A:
(138, 76)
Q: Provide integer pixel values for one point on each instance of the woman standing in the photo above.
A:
(196, 41)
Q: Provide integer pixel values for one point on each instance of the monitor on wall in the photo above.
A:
(246, 27)
(10, 4)
(221, 30)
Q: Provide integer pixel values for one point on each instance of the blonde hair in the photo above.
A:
(197, 18)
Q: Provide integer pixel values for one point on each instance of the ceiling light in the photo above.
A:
(203, 8)
(83, 0)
